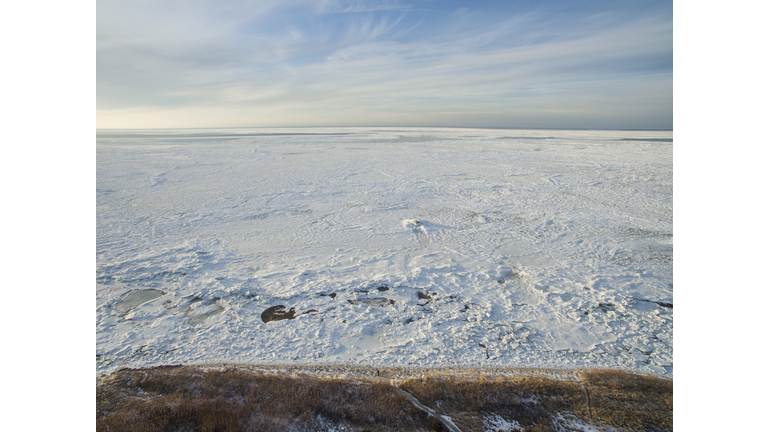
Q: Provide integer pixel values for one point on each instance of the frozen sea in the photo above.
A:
(393, 246)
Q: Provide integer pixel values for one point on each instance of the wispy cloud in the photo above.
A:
(350, 6)
(295, 62)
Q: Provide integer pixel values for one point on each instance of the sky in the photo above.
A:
(282, 63)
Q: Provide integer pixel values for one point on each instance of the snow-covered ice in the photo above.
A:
(393, 246)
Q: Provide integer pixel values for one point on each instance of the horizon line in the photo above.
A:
(397, 126)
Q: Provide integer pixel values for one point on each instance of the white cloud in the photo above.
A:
(286, 57)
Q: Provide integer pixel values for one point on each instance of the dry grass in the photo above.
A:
(185, 398)
(635, 402)
(529, 400)
(195, 399)
(608, 399)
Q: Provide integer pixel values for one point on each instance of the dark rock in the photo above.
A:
(277, 313)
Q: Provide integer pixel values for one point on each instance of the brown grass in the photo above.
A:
(635, 402)
(196, 399)
(185, 398)
(614, 399)
(529, 400)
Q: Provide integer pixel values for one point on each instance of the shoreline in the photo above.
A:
(399, 373)
(395, 373)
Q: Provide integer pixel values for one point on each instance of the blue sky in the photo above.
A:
(228, 63)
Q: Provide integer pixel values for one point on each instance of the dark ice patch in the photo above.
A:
(662, 304)
(136, 299)
(605, 307)
(648, 139)
(200, 314)
(377, 302)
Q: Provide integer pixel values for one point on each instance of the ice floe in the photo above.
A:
(401, 247)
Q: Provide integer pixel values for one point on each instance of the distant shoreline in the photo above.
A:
(408, 127)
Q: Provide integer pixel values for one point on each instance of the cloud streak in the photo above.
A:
(297, 63)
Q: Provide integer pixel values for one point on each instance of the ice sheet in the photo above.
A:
(408, 246)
